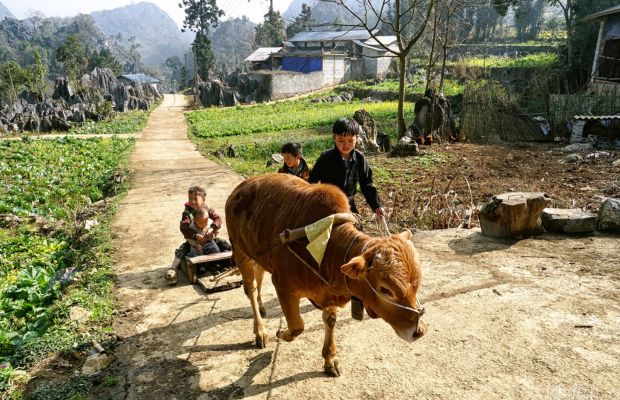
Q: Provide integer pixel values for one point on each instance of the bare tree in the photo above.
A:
(36, 17)
(452, 31)
(568, 9)
(406, 19)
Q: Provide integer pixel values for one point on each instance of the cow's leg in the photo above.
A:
(330, 314)
(290, 308)
(260, 273)
(250, 289)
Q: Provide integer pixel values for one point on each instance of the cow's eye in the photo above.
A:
(386, 291)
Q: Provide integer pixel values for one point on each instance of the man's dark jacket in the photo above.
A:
(330, 168)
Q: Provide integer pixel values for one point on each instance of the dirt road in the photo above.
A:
(537, 318)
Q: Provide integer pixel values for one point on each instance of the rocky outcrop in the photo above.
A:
(216, 93)
(368, 135)
(67, 107)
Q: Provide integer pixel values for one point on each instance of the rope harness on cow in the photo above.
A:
(419, 310)
(288, 236)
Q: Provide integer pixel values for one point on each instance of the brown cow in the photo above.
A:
(384, 272)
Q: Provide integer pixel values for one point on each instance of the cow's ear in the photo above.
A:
(406, 235)
(356, 268)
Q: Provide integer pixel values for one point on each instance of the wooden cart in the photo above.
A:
(211, 283)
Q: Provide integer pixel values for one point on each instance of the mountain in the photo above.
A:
(294, 9)
(233, 40)
(157, 35)
(5, 13)
(19, 39)
(326, 13)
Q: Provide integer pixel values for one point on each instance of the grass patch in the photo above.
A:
(539, 60)
(451, 87)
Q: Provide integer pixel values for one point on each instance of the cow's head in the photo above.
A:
(386, 277)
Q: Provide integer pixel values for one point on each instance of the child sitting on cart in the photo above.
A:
(200, 236)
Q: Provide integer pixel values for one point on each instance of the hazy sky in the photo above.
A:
(255, 9)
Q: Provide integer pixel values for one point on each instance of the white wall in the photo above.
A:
(374, 66)
(293, 83)
(334, 69)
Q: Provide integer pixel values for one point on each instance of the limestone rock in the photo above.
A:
(79, 314)
(216, 93)
(513, 214)
(571, 158)
(609, 215)
(405, 146)
(568, 220)
(369, 128)
(95, 363)
(571, 148)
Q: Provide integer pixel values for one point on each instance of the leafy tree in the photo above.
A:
(134, 54)
(174, 64)
(38, 75)
(72, 56)
(486, 20)
(200, 16)
(13, 79)
(271, 32)
(528, 15)
(580, 37)
(302, 22)
(104, 59)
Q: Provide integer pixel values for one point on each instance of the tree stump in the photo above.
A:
(513, 214)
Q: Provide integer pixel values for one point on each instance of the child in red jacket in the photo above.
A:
(196, 200)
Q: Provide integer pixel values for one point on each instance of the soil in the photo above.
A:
(536, 318)
(463, 174)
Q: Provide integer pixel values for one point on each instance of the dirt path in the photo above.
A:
(537, 318)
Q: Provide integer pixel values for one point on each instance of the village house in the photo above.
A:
(602, 127)
(315, 59)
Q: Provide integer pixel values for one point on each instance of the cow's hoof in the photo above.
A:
(332, 369)
(171, 277)
(262, 312)
(261, 342)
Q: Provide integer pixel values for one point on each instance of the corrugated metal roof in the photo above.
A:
(140, 78)
(593, 117)
(609, 11)
(386, 40)
(324, 36)
(262, 54)
(363, 44)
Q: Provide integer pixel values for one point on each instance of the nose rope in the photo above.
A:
(419, 310)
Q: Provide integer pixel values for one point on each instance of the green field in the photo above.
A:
(275, 117)
(44, 186)
(128, 122)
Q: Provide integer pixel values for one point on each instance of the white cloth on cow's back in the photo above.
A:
(318, 234)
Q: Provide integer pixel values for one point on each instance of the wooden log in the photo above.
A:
(513, 214)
